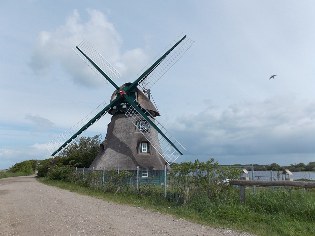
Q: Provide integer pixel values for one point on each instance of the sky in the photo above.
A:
(217, 100)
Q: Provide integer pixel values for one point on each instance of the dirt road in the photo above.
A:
(28, 207)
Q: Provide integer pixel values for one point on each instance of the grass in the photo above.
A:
(7, 174)
(279, 212)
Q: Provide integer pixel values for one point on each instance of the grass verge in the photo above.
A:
(267, 215)
(7, 174)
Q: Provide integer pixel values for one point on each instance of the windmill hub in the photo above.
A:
(122, 92)
(135, 94)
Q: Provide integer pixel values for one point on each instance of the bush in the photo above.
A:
(82, 152)
(24, 167)
(79, 154)
(193, 178)
(64, 173)
(43, 167)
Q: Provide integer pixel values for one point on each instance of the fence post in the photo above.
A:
(242, 194)
(253, 178)
(165, 179)
(138, 178)
(103, 177)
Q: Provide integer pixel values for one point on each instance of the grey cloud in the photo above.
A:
(275, 126)
(39, 122)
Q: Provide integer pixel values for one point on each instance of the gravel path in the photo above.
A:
(28, 207)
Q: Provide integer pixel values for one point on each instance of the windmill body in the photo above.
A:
(125, 147)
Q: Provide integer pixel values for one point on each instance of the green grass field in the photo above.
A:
(267, 212)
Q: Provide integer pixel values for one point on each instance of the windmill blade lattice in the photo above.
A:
(158, 72)
(71, 134)
(88, 49)
(163, 147)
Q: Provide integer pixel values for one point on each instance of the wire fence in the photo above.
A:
(122, 180)
(179, 185)
(174, 187)
(134, 178)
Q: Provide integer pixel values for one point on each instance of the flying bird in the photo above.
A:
(272, 77)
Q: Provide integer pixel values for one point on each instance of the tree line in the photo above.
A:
(276, 167)
(82, 152)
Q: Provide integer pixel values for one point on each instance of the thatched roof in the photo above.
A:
(146, 103)
(120, 148)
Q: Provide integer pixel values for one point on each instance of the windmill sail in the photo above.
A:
(87, 125)
(164, 63)
(58, 140)
(97, 62)
(167, 147)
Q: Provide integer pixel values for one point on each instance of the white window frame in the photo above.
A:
(145, 173)
(144, 147)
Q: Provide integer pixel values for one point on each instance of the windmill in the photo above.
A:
(134, 137)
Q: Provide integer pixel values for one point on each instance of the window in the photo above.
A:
(144, 147)
(145, 173)
(143, 125)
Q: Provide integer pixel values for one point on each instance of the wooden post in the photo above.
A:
(300, 184)
(244, 183)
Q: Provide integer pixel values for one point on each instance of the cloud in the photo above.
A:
(40, 122)
(281, 125)
(9, 156)
(54, 48)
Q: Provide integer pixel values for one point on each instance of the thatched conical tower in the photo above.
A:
(125, 147)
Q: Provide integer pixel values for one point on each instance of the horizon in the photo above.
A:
(235, 164)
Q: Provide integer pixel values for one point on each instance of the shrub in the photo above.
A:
(24, 167)
(193, 178)
(64, 173)
(82, 152)
(43, 168)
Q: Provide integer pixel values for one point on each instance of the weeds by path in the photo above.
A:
(281, 212)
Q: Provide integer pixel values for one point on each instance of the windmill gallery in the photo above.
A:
(134, 139)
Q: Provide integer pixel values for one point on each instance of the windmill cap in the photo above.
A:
(140, 97)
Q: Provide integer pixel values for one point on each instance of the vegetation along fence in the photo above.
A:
(182, 183)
